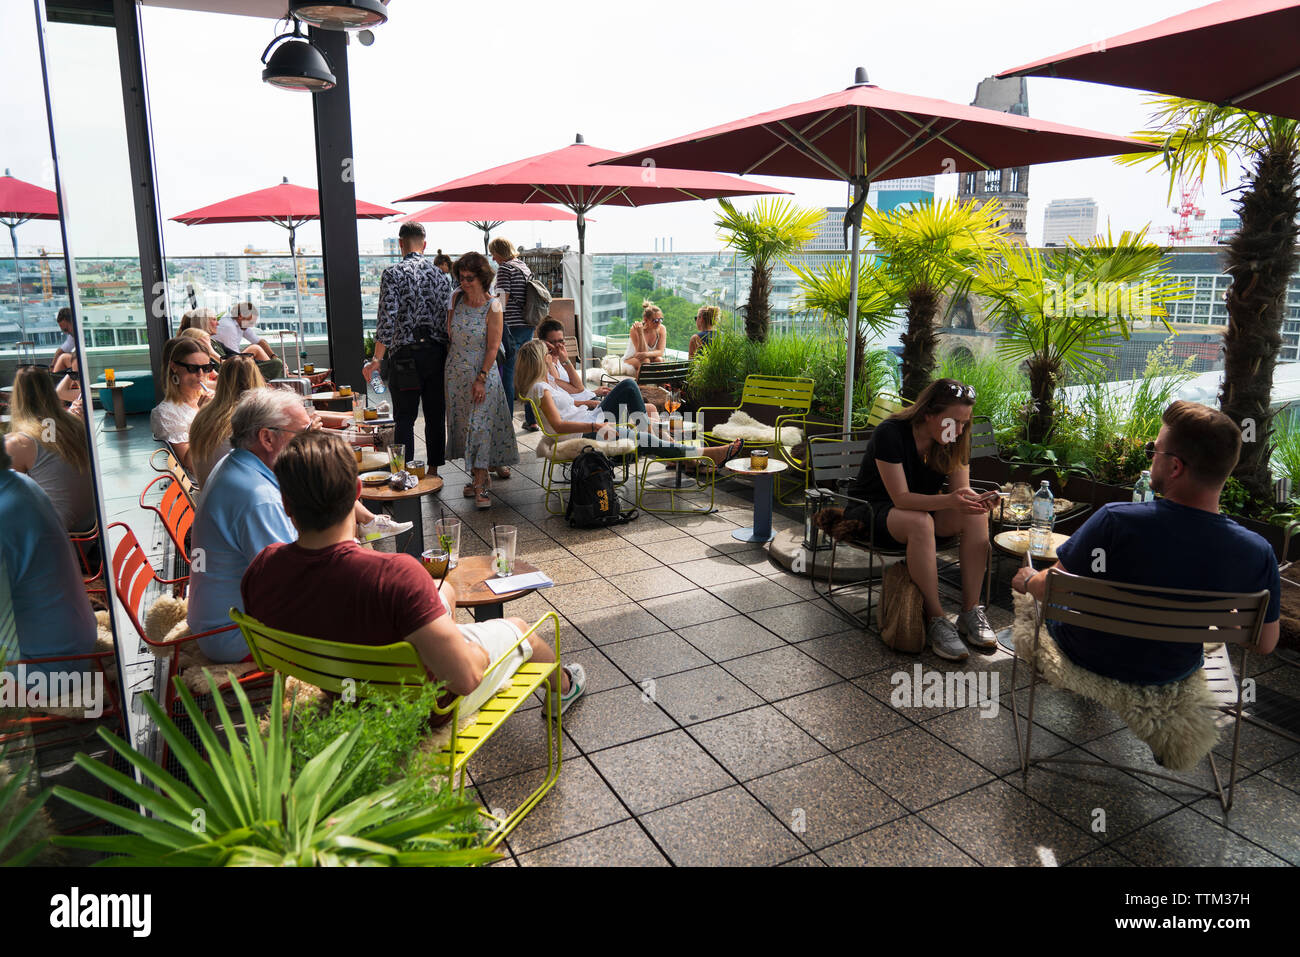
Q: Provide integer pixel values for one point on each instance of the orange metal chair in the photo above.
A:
(176, 511)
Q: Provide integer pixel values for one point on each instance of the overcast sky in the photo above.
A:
(447, 90)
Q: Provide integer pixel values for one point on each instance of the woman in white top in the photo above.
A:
(49, 444)
(186, 363)
(593, 418)
(648, 339)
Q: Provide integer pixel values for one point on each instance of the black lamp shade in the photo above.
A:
(297, 65)
(341, 14)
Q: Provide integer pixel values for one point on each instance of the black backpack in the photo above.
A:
(593, 500)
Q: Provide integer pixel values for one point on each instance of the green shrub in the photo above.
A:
(392, 727)
(1001, 389)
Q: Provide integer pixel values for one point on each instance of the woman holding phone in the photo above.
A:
(910, 457)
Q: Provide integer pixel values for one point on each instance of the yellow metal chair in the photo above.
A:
(883, 406)
(785, 393)
(549, 485)
(397, 669)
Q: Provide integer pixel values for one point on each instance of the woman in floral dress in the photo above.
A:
(479, 426)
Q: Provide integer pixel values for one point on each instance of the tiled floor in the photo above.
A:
(733, 718)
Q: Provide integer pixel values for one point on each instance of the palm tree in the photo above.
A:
(1260, 257)
(1062, 312)
(774, 229)
(826, 291)
(927, 249)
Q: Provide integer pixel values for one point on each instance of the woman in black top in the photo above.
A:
(909, 458)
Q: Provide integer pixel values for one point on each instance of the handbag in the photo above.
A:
(902, 611)
(398, 368)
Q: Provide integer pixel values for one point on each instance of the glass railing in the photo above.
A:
(114, 305)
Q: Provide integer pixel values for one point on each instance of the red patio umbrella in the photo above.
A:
(567, 178)
(863, 133)
(1241, 53)
(487, 216)
(19, 202)
(286, 205)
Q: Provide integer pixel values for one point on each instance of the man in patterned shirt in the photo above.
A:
(411, 344)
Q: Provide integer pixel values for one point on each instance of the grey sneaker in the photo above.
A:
(974, 626)
(945, 641)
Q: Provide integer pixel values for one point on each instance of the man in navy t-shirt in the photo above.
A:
(1179, 541)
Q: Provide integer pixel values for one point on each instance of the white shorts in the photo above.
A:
(494, 637)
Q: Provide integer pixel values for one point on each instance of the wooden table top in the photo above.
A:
(1017, 543)
(470, 574)
(383, 493)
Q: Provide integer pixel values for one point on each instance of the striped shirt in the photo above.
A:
(414, 295)
(512, 278)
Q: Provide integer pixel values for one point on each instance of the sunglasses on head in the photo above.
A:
(962, 391)
(193, 368)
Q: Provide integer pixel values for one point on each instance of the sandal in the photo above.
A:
(469, 490)
(503, 472)
(481, 498)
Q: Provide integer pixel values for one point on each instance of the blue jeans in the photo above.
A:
(515, 336)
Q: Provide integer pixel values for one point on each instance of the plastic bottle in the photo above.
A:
(377, 384)
(1142, 490)
(1044, 517)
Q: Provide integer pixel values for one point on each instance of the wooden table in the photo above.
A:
(118, 387)
(469, 578)
(406, 507)
(764, 479)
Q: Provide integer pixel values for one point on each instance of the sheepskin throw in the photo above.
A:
(165, 622)
(1177, 720)
(570, 449)
(744, 426)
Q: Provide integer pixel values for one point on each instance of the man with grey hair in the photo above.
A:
(239, 513)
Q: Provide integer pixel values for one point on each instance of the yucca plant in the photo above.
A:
(16, 814)
(927, 250)
(246, 807)
(1260, 257)
(825, 291)
(1062, 313)
(773, 230)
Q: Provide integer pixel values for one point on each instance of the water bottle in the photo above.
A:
(1044, 517)
(376, 383)
(1142, 490)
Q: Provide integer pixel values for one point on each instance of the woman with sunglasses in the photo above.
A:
(910, 457)
(648, 339)
(187, 363)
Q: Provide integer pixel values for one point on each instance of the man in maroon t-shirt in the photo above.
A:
(325, 585)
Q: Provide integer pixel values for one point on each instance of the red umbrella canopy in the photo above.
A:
(285, 204)
(566, 176)
(903, 135)
(1236, 52)
(488, 213)
(21, 201)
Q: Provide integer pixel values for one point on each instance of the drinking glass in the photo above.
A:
(1021, 502)
(397, 457)
(435, 562)
(503, 549)
(358, 408)
(344, 391)
(110, 376)
(447, 531)
(758, 459)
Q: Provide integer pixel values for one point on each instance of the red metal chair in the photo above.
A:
(132, 577)
(176, 511)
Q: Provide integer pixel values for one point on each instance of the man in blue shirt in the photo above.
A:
(1179, 541)
(239, 513)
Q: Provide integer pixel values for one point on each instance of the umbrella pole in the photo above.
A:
(486, 233)
(18, 282)
(297, 293)
(860, 185)
(579, 312)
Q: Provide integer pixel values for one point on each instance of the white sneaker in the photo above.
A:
(945, 641)
(577, 683)
(382, 527)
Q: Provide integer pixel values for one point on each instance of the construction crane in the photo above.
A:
(1188, 212)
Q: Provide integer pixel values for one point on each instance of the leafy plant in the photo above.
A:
(389, 728)
(825, 291)
(1000, 389)
(1286, 447)
(1062, 313)
(16, 814)
(773, 230)
(247, 806)
(1260, 256)
(928, 250)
